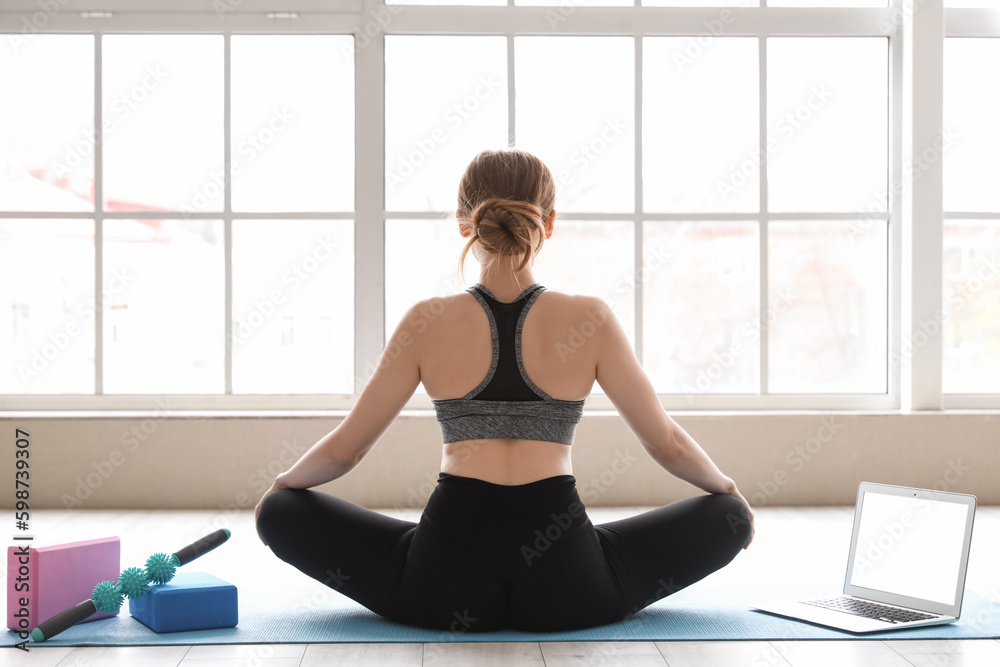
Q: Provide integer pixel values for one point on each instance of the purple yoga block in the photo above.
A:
(189, 601)
(53, 579)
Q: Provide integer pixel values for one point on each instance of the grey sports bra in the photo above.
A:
(507, 404)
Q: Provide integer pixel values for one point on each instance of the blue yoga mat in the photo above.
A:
(694, 614)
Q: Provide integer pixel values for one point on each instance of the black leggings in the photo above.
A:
(487, 556)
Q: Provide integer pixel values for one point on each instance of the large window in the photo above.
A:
(237, 211)
(756, 154)
(219, 201)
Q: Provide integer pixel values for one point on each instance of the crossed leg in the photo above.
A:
(417, 574)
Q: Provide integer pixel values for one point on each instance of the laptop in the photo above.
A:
(906, 566)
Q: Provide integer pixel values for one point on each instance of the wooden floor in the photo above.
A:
(806, 545)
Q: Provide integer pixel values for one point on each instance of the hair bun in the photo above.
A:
(504, 199)
(495, 211)
(508, 227)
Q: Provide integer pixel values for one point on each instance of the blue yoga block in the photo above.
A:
(189, 601)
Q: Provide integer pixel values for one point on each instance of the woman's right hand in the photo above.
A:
(739, 496)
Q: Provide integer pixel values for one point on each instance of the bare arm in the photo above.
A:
(626, 384)
(317, 466)
(684, 458)
(392, 384)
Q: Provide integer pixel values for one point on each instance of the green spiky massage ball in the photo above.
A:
(133, 583)
(107, 597)
(160, 568)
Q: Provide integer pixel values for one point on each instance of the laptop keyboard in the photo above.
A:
(867, 609)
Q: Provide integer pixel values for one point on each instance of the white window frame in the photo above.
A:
(914, 229)
(981, 23)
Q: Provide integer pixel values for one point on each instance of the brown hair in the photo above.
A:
(505, 197)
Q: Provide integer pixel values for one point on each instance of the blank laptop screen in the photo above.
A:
(910, 546)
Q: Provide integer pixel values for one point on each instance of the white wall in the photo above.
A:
(207, 462)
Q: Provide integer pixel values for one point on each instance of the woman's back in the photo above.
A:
(459, 347)
(455, 356)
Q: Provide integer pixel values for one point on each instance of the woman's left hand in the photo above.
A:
(739, 496)
(277, 485)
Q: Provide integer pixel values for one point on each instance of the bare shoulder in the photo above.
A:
(432, 312)
(580, 301)
(575, 323)
(446, 312)
(579, 307)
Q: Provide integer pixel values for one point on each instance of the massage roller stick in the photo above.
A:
(132, 583)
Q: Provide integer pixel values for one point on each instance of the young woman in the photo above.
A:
(505, 540)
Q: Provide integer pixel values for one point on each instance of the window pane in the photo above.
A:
(700, 129)
(441, 110)
(971, 321)
(701, 294)
(971, 139)
(293, 122)
(163, 324)
(828, 295)
(421, 261)
(974, 4)
(827, 123)
(47, 123)
(47, 306)
(293, 307)
(575, 107)
(163, 122)
(593, 258)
